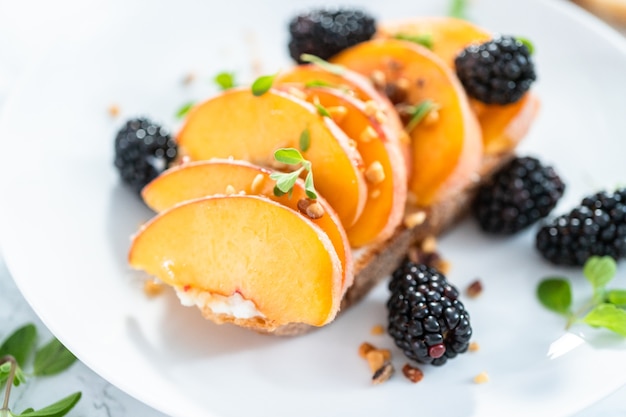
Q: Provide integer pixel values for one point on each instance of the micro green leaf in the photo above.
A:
(52, 359)
(286, 181)
(607, 316)
(319, 83)
(262, 84)
(325, 65)
(322, 110)
(617, 297)
(424, 39)
(305, 140)
(419, 112)
(309, 187)
(278, 192)
(555, 294)
(458, 9)
(225, 80)
(599, 270)
(19, 377)
(184, 109)
(58, 409)
(528, 43)
(20, 343)
(288, 156)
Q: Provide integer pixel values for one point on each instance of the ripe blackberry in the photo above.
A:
(520, 194)
(426, 320)
(596, 227)
(324, 32)
(143, 150)
(496, 72)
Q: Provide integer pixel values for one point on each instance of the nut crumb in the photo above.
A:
(152, 288)
(375, 173)
(378, 78)
(114, 110)
(429, 244)
(374, 194)
(364, 349)
(383, 373)
(257, 183)
(311, 208)
(473, 347)
(431, 118)
(337, 113)
(443, 266)
(378, 330)
(368, 134)
(414, 219)
(230, 190)
(474, 289)
(375, 359)
(481, 378)
(413, 374)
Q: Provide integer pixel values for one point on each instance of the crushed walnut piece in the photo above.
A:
(383, 373)
(474, 289)
(473, 347)
(364, 348)
(311, 208)
(378, 330)
(378, 360)
(412, 373)
(481, 378)
(114, 110)
(152, 288)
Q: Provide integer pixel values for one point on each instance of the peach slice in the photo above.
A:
(236, 124)
(205, 178)
(267, 263)
(446, 153)
(384, 161)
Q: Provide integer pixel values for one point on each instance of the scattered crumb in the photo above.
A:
(114, 110)
(414, 219)
(375, 359)
(189, 78)
(152, 288)
(474, 289)
(230, 190)
(378, 330)
(413, 374)
(383, 373)
(481, 378)
(429, 244)
(364, 349)
(473, 347)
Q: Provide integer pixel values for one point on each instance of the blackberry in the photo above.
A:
(496, 72)
(143, 150)
(518, 195)
(596, 227)
(324, 32)
(426, 319)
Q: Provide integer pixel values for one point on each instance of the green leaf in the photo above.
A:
(286, 181)
(528, 43)
(184, 109)
(20, 344)
(608, 316)
(319, 83)
(555, 294)
(458, 9)
(262, 84)
(617, 297)
(322, 110)
(29, 409)
(600, 270)
(225, 80)
(278, 192)
(288, 156)
(425, 39)
(419, 112)
(309, 187)
(52, 359)
(19, 378)
(325, 65)
(305, 140)
(58, 409)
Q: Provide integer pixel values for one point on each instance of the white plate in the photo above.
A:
(66, 223)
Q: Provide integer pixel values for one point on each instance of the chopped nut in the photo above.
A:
(380, 117)
(368, 134)
(337, 113)
(352, 143)
(371, 108)
(257, 183)
(429, 244)
(431, 118)
(374, 194)
(152, 288)
(378, 78)
(114, 110)
(413, 374)
(481, 378)
(230, 190)
(311, 208)
(443, 266)
(473, 347)
(189, 78)
(383, 373)
(378, 330)
(375, 359)
(475, 289)
(414, 219)
(375, 173)
(365, 348)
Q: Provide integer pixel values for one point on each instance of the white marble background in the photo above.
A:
(27, 29)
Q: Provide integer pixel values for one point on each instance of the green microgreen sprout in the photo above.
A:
(51, 359)
(606, 307)
(184, 109)
(458, 9)
(419, 112)
(325, 65)
(305, 140)
(322, 110)
(263, 84)
(424, 39)
(529, 45)
(225, 80)
(286, 180)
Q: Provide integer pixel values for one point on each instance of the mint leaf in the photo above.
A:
(309, 188)
(325, 65)
(184, 109)
(555, 294)
(288, 156)
(225, 80)
(608, 316)
(20, 343)
(458, 9)
(262, 84)
(599, 270)
(419, 112)
(617, 297)
(58, 409)
(425, 39)
(286, 181)
(529, 45)
(305, 140)
(52, 359)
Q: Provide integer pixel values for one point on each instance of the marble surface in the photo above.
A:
(21, 42)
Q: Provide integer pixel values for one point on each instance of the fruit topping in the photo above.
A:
(499, 71)
(143, 150)
(596, 227)
(324, 32)
(426, 319)
(520, 194)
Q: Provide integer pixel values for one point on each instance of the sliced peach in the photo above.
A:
(205, 178)
(247, 248)
(384, 164)
(447, 152)
(239, 125)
